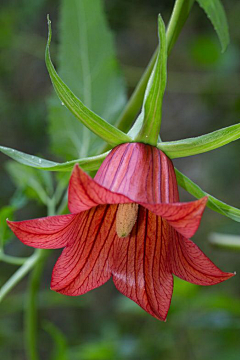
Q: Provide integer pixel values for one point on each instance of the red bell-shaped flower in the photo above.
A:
(127, 223)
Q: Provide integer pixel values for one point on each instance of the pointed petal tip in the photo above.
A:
(192, 265)
(51, 232)
(11, 224)
(230, 275)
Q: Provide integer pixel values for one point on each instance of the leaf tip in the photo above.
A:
(49, 29)
(160, 22)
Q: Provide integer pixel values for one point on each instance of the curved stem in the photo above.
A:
(19, 274)
(14, 260)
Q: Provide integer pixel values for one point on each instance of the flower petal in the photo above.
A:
(52, 232)
(141, 266)
(189, 263)
(184, 217)
(85, 263)
(85, 193)
(141, 172)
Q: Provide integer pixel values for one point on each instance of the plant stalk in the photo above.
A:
(31, 325)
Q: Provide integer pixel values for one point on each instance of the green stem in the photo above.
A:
(31, 308)
(19, 274)
(14, 260)
(179, 16)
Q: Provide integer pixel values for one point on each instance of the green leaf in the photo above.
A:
(213, 203)
(216, 14)
(28, 180)
(225, 241)
(200, 144)
(179, 16)
(88, 164)
(88, 65)
(152, 105)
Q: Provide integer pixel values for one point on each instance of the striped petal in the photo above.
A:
(85, 193)
(141, 172)
(85, 263)
(52, 232)
(184, 217)
(189, 263)
(141, 267)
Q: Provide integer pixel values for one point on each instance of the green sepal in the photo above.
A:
(217, 16)
(91, 120)
(88, 164)
(200, 144)
(213, 203)
(151, 113)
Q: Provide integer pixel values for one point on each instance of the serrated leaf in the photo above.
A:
(213, 203)
(217, 16)
(88, 164)
(87, 64)
(200, 144)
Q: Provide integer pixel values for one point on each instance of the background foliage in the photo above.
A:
(202, 96)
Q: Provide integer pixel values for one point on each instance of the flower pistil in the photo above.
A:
(125, 219)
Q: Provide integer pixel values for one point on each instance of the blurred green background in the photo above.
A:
(203, 95)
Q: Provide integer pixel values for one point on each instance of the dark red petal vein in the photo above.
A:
(85, 264)
(184, 217)
(189, 263)
(85, 193)
(51, 232)
(140, 266)
(141, 172)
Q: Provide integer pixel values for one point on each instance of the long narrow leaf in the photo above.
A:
(152, 105)
(213, 203)
(89, 164)
(200, 144)
(86, 60)
(178, 18)
(216, 14)
(91, 120)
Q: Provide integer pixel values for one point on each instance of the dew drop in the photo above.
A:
(62, 103)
